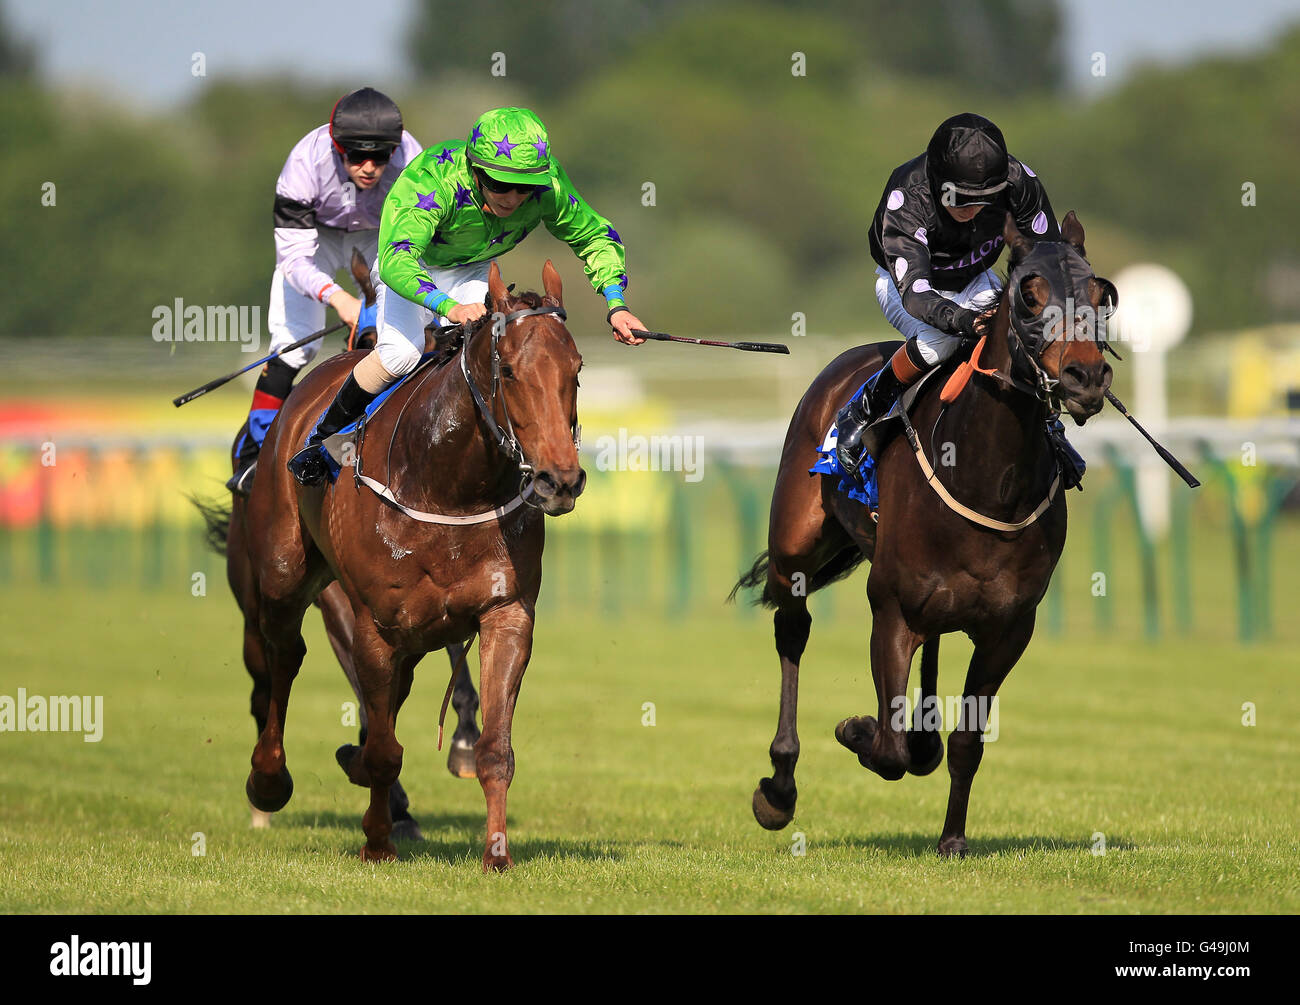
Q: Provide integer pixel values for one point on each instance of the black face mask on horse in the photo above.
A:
(1067, 274)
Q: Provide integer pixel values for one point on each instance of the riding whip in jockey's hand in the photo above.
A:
(457, 206)
(935, 244)
(327, 200)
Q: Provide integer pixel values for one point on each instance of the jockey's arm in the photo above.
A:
(909, 267)
(407, 225)
(597, 245)
(294, 212)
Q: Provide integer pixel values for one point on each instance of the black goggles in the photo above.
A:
(502, 187)
(355, 155)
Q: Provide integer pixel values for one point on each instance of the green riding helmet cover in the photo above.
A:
(510, 145)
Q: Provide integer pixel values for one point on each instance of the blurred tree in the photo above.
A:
(552, 47)
(16, 57)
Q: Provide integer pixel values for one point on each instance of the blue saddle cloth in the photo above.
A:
(373, 407)
(828, 464)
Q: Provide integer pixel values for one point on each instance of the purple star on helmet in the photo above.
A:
(504, 147)
(541, 148)
(402, 245)
(476, 135)
(426, 201)
(499, 238)
(463, 197)
(612, 234)
(425, 286)
(444, 157)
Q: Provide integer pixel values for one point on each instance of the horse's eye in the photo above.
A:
(506, 372)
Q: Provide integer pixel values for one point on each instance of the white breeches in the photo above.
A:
(401, 322)
(935, 346)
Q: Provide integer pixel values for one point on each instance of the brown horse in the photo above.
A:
(933, 569)
(452, 551)
(227, 536)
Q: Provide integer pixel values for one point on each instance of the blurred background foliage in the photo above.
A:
(765, 182)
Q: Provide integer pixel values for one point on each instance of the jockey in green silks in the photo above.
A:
(457, 206)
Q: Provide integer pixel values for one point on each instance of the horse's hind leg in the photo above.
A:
(336, 613)
(775, 797)
(464, 699)
(989, 666)
(269, 784)
(924, 741)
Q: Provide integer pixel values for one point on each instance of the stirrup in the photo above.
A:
(241, 482)
(308, 466)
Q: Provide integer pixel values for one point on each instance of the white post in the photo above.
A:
(1155, 312)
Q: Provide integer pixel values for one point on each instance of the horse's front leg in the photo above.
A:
(881, 742)
(992, 661)
(507, 644)
(384, 677)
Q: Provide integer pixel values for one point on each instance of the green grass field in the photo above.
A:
(1142, 744)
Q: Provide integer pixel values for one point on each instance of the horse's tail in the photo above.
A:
(839, 567)
(216, 521)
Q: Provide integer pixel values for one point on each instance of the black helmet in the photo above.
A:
(967, 152)
(365, 120)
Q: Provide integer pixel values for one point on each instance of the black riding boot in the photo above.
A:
(308, 465)
(854, 418)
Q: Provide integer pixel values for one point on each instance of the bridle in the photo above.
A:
(503, 434)
(1067, 273)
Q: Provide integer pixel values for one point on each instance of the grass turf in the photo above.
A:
(1141, 744)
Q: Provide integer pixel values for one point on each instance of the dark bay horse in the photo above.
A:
(934, 570)
(475, 455)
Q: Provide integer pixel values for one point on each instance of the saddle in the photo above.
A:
(441, 345)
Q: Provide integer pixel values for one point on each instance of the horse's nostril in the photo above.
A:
(1077, 374)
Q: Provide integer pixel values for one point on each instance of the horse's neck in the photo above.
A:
(450, 458)
(1005, 427)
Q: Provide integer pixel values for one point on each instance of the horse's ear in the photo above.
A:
(551, 284)
(1072, 231)
(496, 288)
(1016, 241)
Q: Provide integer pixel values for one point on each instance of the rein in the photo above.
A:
(1043, 390)
(505, 439)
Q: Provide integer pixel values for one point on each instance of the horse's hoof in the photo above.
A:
(353, 766)
(269, 794)
(386, 852)
(926, 751)
(857, 733)
(407, 830)
(460, 760)
(770, 810)
(951, 846)
(260, 820)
